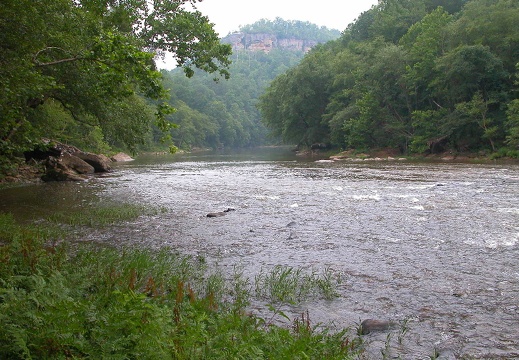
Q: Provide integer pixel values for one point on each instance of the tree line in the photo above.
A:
(421, 76)
(291, 29)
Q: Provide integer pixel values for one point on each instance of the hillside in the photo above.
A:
(223, 114)
(408, 75)
(265, 36)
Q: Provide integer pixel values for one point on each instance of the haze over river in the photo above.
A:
(433, 244)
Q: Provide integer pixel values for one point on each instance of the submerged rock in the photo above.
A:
(371, 325)
(221, 213)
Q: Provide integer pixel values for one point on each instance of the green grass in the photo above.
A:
(286, 284)
(105, 303)
(102, 215)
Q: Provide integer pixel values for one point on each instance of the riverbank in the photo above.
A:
(395, 155)
(31, 172)
(82, 301)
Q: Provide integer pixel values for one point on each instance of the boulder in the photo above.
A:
(67, 161)
(121, 157)
(55, 170)
(100, 162)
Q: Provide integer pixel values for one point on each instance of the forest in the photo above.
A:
(418, 76)
(83, 71)
(218, 114)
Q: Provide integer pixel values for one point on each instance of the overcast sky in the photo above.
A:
(228, 15)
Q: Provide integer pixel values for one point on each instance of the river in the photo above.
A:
(433, 245)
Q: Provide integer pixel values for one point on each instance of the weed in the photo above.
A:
(102, 216)
(386, 352)
(289, 285)
(404, 328)
(435, 355)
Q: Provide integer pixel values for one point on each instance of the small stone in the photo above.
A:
(372, 325)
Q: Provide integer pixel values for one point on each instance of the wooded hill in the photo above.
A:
(224, 113)
(420, 76)
(415, 75)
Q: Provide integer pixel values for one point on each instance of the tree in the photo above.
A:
(294, 105)
(491, 23)
(92, 57)
(394, 17)
(512, 123)
(466, 70)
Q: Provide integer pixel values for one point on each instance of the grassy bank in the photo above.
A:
(98, 302)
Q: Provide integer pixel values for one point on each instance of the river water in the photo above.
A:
(431, 245)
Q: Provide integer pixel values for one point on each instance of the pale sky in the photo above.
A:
(228, 15)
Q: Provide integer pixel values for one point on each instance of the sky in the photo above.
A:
(228, 15)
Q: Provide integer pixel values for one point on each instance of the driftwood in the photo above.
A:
(221, 213)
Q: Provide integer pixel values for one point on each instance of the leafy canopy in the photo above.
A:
(419, 76)
(88, 59)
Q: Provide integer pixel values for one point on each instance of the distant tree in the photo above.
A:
(226, 112)
(294, 105)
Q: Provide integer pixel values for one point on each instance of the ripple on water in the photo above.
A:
(433, 244)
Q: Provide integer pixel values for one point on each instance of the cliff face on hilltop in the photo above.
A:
(267, 42)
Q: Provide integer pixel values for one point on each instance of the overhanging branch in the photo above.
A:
(55, 62)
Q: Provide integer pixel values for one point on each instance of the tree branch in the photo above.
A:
(55, 62)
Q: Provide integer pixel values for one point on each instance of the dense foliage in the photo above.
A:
(419, 76)
(81, 70)
(291, 29)
(102, 303)
(224, 113)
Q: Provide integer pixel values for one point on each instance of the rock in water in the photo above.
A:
(372, 325)
(216, 214)
(121, 157)
(66, 162)
(221, 213)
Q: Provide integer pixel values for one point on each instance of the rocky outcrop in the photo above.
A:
(64, 162)
(267, 42)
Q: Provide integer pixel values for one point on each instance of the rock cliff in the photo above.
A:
(267, 42)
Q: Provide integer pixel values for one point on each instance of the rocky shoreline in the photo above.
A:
(57, 161)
